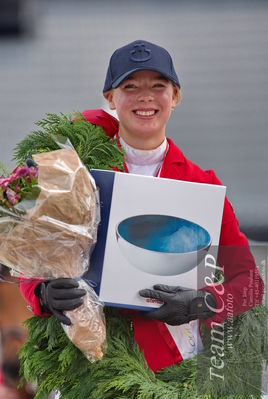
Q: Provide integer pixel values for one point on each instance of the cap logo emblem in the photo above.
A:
(140, 53)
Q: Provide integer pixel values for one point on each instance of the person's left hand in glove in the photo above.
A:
(181, 305)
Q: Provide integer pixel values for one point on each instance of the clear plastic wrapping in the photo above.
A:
(53, 236)
(91, 334)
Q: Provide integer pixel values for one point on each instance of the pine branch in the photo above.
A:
(4, 172)
(54, 362)
(94, 147)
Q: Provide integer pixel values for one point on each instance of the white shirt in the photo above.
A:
(144, 162)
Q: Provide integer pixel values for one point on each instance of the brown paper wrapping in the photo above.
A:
(91, 334)
(55, 236)
(54, 239)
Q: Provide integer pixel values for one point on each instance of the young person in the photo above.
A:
(142, 86)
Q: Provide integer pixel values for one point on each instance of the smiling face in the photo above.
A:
(143, 103)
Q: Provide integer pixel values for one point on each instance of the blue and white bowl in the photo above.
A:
(162, 245)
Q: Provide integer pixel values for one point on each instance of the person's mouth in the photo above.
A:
(145, 113)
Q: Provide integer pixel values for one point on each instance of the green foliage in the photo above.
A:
(243, 338)
(51, 360)
(94, 147)
(4, 172)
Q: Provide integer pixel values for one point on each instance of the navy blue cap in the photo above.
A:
(137, 56)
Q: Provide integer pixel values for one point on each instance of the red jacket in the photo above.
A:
(240, 271)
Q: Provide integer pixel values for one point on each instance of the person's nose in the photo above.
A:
(145, 95)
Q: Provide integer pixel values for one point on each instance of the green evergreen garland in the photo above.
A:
(54, 363)
(50, 359)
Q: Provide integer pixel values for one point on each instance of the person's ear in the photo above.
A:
(109, 95)
(176, 97)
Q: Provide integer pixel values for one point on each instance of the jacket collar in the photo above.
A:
(174, 155)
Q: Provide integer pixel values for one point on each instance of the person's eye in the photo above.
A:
(130, 86)
(159, 85)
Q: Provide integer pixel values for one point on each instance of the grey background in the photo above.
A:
(221, 56)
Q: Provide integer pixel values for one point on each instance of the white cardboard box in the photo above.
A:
(122, 249)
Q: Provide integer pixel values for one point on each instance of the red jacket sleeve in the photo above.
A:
(103, 119)
(243, 287)
(27, 287)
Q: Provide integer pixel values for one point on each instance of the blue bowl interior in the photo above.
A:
(164, 233)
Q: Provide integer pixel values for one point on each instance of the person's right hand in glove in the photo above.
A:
(58, 295)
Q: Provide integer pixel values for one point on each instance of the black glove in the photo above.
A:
(181, 305)
(58, 295)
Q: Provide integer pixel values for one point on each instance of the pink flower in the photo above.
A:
(20, 172)
(12, 188)
(23, 171)
(11, 195)
(34, 171)
(4, 182)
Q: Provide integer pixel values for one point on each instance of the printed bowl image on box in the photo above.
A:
(162, 245)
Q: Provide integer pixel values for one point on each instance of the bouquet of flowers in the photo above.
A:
(49, 215)
(51, 235)
(17, 187)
